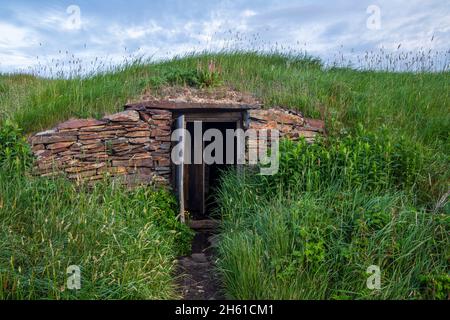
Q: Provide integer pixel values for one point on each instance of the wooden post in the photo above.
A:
(180, 124)
(241, 124)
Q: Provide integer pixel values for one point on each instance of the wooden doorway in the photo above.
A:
(198, 181)
(201, 179)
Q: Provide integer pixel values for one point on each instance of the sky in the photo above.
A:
(34, 34)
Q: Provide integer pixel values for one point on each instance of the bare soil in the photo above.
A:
(197, 277)
(223, 94)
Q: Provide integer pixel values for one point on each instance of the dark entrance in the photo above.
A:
(201, 180)
(195, 182)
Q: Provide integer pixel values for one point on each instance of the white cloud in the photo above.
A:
(248, 13)
(123, 33)
(12, 36)
(67, 19)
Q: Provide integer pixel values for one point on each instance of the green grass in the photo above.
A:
(125, 242)
(364, 195)
(282, 241)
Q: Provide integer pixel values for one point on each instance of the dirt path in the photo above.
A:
(197, 278)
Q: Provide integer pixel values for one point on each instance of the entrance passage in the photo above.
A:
(201, 180)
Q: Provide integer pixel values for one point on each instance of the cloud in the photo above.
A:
(164, 29)
(14, 37)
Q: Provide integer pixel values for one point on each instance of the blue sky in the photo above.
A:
(33, 32)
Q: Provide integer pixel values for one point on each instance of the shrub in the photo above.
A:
(436, 286)
(197, 78)
(372, 161)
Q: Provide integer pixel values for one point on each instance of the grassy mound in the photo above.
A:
(369, 194)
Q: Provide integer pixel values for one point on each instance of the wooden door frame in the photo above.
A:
(237, 117)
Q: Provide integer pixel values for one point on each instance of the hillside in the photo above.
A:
(388, 155)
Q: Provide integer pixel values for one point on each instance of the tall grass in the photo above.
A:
(318, 243)
(125, 242)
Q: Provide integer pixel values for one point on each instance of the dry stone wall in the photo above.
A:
(134, 146)
(131, 146)
(290, 124)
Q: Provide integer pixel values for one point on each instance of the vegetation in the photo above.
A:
(370, 193)
(312, 230)
(125, 242)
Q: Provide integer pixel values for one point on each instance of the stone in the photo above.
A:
(55, 165)
(138, 134)
(113, 170)
(159, 122)
(85, 167)
(37, 147)
(164, 162)
(145, 116)
(95, 128)
(126, 116)
(42, 153)
(48, 139)
(141, 171)
(160, 133)
(127, 154)
(133, 163)
(160, 112)
(208, 224)
(162, 117)
(94, 146)
(139, 140)
(141, 156)
(315, 125)
(102, 135)
(135, 126)
(199, 257)
(59, 145)
(79, 123)
(92, 156)
(163, 138)
(85, 142)
(165, 146)
(82, 175)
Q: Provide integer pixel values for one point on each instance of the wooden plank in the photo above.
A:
(214, 117)
(208, 224)
(195, 177)
(180, 124)
(239, 158)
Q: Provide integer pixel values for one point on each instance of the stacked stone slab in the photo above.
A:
(134, 146)
(290, 124)
(128, 145)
